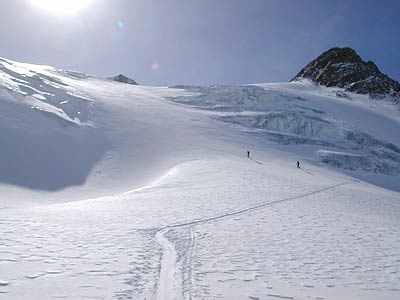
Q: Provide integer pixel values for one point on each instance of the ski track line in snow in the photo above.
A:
(243, 211)
(166, 281)
(165, 289)
(189, 265)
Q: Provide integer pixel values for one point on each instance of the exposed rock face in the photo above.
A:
(343, 67)
(123, 79)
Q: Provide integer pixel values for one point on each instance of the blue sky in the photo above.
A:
(166, 42)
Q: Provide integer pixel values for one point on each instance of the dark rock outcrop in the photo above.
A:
(344, 68)
(123, 79)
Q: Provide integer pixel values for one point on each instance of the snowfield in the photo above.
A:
(115, 191)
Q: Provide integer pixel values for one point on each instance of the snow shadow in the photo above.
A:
(308, 172)
(256, 161)
(42, 154)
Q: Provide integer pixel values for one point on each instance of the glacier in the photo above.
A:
(113, 191)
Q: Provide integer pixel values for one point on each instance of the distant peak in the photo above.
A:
(124, 79)
(344, 68)
(337, 54)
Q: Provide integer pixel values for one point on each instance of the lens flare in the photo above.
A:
(155, 66)
(121, 25)
(62, 7)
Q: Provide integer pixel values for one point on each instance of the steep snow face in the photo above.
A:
(49, 141)
(82, 136)
(42, 90)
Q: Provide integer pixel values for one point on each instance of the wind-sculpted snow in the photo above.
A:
(316, 251)
(225, 229)
(48, 140)
(44, 91)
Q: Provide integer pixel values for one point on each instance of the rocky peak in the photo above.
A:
(343, 67)
(122, 78)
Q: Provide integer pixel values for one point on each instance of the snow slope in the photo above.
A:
(111, 191)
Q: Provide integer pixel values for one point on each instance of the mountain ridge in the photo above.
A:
(344, 68)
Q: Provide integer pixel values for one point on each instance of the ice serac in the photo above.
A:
(123, 79)
(344, 68)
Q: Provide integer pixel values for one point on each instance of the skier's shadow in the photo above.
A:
(256, 161)
(308, 172)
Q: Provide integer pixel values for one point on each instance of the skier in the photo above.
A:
(248, 153)
(298, 164)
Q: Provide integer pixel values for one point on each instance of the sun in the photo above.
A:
(62, 7)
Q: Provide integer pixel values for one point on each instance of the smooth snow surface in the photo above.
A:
(111, 191)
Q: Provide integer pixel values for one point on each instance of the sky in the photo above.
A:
(202, 42)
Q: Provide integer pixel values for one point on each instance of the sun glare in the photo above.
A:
(62, 7)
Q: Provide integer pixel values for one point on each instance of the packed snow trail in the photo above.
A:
(166, 281)
(165, 289)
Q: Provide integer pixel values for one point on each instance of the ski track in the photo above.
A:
(165, 289)
(166, 281)
(189, 265)
(246, 210)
